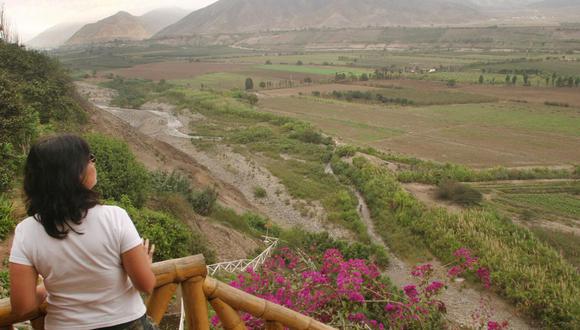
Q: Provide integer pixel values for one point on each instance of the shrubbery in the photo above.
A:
(118, 172)
(515, 255)
(7, 223)
(458, 193)
(171, 237)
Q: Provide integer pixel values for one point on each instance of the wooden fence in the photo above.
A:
(197, 290)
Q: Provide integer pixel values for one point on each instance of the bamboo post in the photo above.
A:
(273, 325)
(229, 317)
(159, 300)
(259, 307)
(196, 310)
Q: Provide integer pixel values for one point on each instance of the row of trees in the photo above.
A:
(554, 80)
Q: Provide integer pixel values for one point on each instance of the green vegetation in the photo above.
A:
(458, 193)
(172, 238)
(249, 223)
(260, 192)
(119, 173)
(563, 242)
(318, 243)
(6, 221)
(36, 97)
(133, 93)
(315, 70)
(524, 270)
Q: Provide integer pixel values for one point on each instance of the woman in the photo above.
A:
(91, 257)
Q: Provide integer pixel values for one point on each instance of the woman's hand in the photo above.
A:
(149, 249)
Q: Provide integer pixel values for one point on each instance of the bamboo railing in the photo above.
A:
(197, 290)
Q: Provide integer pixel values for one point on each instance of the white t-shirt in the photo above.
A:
(85, 280)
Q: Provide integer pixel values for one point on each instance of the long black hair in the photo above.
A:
(55, 194)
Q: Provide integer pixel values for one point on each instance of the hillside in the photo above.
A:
(124, 26)
(121, 26)
(158, 19)
(257, 15)
(55, 36)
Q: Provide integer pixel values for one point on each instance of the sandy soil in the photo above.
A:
(228, 244)
(427, 194)
(235, 175)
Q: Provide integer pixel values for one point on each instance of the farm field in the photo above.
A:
(551, 209)
(479, 135)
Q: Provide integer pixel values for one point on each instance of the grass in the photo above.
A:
(422, 97)
(565, 243)
(528, 272)
(310, 69)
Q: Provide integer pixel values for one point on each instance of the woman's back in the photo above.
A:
(83, 273)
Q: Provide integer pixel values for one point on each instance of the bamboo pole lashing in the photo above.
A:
(158, 302)
(195, 303)
(229, 317)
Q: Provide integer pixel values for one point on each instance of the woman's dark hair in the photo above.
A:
(55, 194)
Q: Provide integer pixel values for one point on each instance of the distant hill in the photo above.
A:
(230, 16)
(54, 37)
(158, 19)
(121, 26)
(556, 4)
(124, 26)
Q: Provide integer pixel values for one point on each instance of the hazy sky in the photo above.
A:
(31, 17)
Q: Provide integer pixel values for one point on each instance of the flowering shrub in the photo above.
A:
(352, 293)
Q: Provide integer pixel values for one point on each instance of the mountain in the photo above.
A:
(158, 19)
(124, 26)
(503, 3)
(54, 37)
(555, 4)
(233, 16)
(121, 26)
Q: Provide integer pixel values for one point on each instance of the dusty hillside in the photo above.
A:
(121, 26)
(226, 16)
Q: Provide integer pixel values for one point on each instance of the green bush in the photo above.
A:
(171, 237)
(458, 193)
(174, 182)
(7, 223)
(203, 202)
(253, 134)
(118, 172)
(260, 192)
(523, 269)
(318, 243)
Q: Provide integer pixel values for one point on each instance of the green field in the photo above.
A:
(309, 69)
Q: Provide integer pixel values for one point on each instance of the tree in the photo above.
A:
(508, 79)
(577, 82)
(451, 83)
(249, 84)
(268, 62)
(547, 81)
(262, 84)
(307, 80)
(481, 79)
(526, 80)
(299, 62)
(514, 80)
(364, 77)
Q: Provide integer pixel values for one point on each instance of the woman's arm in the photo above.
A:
(137, 264)
(25, 296)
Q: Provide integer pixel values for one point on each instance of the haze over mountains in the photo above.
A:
(258, 15)
(238, 16)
